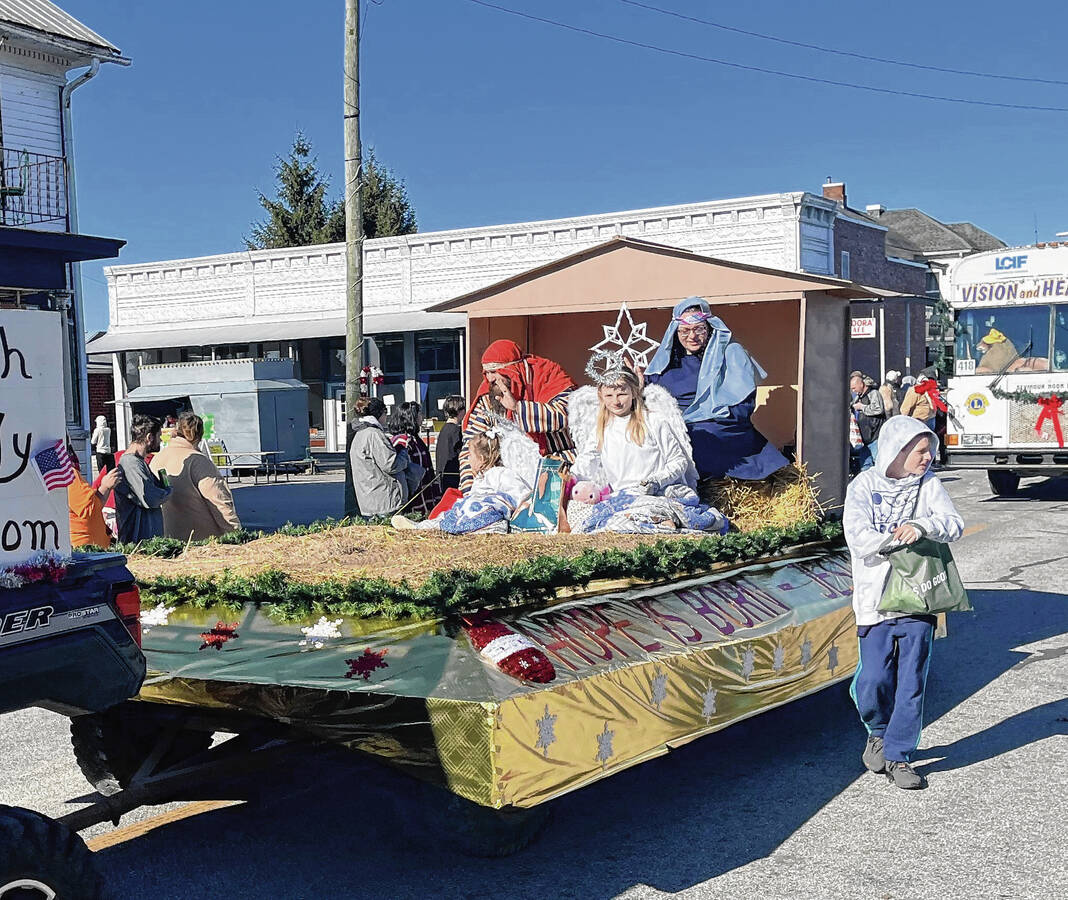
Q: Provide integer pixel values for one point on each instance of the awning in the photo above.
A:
(253, 331)
(151, 392)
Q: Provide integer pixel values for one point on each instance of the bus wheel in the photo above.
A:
(1002, 483)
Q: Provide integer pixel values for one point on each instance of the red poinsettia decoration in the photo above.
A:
(363, 666)
(512, 653)
(219, 635)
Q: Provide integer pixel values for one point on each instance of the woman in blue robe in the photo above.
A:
(714, 381)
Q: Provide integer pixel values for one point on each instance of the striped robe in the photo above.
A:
(548, 419)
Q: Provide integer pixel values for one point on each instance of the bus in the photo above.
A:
(1010, 369)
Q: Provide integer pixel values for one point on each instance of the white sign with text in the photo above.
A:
(32, 418)
(862, 327)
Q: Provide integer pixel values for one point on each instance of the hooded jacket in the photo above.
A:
(876, 504)
(377, 469)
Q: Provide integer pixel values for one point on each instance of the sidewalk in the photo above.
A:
(301, 500)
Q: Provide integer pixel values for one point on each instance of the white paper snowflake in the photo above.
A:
(832, 658)
(316, 636)
(604, 745)
(158, 615)
(546, 731)
(780, 658)
(748, 663)
(806, 653)
(708, 710)
(614, 342)
(660, 682)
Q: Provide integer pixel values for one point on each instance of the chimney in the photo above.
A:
(875, 210)
(835, 190)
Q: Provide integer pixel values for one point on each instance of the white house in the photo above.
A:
(291, 302)
(40, 247)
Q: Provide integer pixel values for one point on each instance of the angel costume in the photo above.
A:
(652, 485)
(496, 493)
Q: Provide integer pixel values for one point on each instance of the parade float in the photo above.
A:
(513, 668)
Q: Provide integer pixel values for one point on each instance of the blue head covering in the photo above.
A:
(728, 374)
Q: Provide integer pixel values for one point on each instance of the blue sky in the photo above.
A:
(490, 118)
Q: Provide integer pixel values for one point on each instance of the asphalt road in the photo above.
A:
(776, 807)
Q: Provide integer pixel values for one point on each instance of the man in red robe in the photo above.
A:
(531, 391)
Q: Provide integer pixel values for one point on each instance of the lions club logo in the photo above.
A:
(977, 404)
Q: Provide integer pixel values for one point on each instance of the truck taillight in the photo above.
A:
(128, 602)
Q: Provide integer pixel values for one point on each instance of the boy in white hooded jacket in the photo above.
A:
(898, 500)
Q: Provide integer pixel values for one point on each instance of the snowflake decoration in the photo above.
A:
(614, 342)
(604, 746)
(219, 635)
(546, 731)
(806, 653)
(748, 663)
(363, 666)
(316, 636)
(780, 658)
(660, 681)
(708, 710)
(832, 658)
(159, 615)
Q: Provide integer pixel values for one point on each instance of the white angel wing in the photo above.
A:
(661, 406)
(519, 452)
(582, 405)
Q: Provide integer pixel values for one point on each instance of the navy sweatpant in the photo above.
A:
(890, 681)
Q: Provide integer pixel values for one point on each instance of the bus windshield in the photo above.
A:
(1012, 338)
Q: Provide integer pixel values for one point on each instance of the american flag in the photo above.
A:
(54, 466)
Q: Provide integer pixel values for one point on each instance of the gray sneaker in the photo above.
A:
(904, 776)
(872, 757)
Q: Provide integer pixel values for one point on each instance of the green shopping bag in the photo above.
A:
(923, 579)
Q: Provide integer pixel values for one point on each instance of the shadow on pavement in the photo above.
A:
(1055, 488)
(336, 828)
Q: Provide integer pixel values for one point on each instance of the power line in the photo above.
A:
(850, 53)
(748, 68)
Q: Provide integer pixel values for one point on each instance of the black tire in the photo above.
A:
(1003, 483)
(110, 746)
(41, 858)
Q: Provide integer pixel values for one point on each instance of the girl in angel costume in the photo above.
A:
(632, 445)
(504, 461)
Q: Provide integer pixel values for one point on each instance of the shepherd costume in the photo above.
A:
(540, 388)
(716, 390)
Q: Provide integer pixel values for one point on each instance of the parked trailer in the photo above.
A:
(1011, 364)
(639, 668)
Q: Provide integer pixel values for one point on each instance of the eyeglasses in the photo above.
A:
(693, 330)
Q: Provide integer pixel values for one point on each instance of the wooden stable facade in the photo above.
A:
(795, 325)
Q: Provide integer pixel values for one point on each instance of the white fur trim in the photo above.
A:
(504, 646)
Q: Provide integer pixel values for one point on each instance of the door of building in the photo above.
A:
(334, 418)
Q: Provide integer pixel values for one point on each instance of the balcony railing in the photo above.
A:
(33, 188)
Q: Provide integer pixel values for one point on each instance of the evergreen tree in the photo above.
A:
(301, 214)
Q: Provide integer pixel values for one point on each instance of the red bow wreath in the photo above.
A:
(930, 388)
(512, 653)
(1051, 410)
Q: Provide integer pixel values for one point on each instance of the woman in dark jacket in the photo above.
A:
(404, 426)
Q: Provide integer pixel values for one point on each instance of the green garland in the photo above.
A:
(1027, 396)
(461, 590)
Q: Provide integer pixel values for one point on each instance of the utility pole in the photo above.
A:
(353, 236)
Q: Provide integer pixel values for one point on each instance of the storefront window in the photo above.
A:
(1013, 338)
(438, 361)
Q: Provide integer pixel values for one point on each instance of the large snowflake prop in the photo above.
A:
(708, 709)
(748, 663)
(614, 343)
(832, 658)
(780, 658)
(806, 653)
(158, 615)
(219, 635)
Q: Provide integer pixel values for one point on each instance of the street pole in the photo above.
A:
(353, 236)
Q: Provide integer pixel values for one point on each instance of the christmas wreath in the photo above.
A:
(1049, 403)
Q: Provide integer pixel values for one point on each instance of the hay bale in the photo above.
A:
(788, 497)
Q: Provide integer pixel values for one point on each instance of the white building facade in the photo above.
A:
(291, 302)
